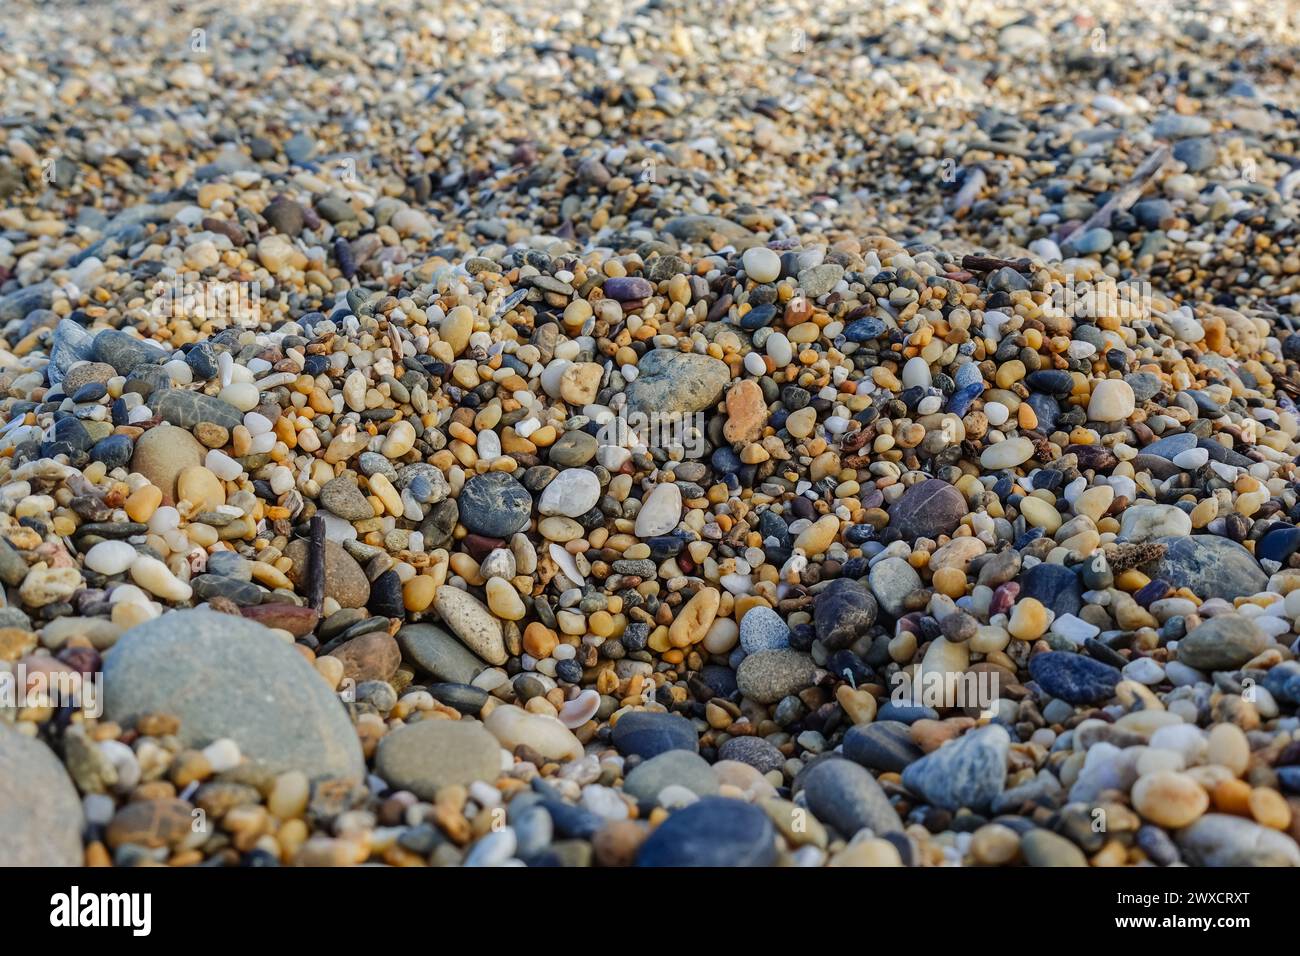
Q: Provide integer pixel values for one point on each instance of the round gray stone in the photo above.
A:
(426, 756)
(40, 812)
(494, 504)
(225, 676)
(1210, 566)
(680, 767)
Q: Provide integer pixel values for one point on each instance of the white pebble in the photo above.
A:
(222, 465)
(110, 557)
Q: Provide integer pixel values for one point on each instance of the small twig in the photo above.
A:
(316, 562)
(1124, 197)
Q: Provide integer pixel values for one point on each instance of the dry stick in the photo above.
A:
(1126, 196)
(992, 264)
(316, 562)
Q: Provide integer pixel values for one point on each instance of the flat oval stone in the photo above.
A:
(434, 651)
(768, 676)
(1074, 678)
(471, 621)
(1210, 566)
(426, 756)
(881, 745)
(648, 734)
(224, 676)
(495, 505)
(681, 768)
(843, 612)
(846, 796)
(186, 409)
(672, 382)
(714, 831)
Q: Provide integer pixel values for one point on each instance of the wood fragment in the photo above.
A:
(316, 562)
(1124, 197)
(993, 263)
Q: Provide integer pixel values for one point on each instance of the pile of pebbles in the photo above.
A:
(440, 435)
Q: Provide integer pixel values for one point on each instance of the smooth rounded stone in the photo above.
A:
(114, 451)
(679, 768)
(494, 505)
(1143, 523)
(572, 493)
(1197, 154)
(1210, 566)
(110, 557)
(1055, 586)
(342, 497)
(893, 581)
(573, 449)
(762, 629)
(1172, 446)
(1007, 454)
(1145, 385)
(882, 745)
(426, 756)
(628, 288)
(1168, 798)
(761, 264)
(768, 676)
(1112, 400)
(1074, 678)
(649, 733)
(758, 753)
(436, 652)
(186, 409)
(1218, 839)
(660, 512)
(1042, 847)
(124, 352)
(967, 772)
(372, 656)
(284, 215)
(87, 373)
(714, 832)
(162, 453)
(846, 796)
(40, 811)
(471, 621)
(345, 580)
(1278, 545)
(1223, 643)
(227, 677)
(842, 612)
(928, 509)
(466, 698)
(515, 727)
(675, 383)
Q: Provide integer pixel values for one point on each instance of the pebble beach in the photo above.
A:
(661, 435)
